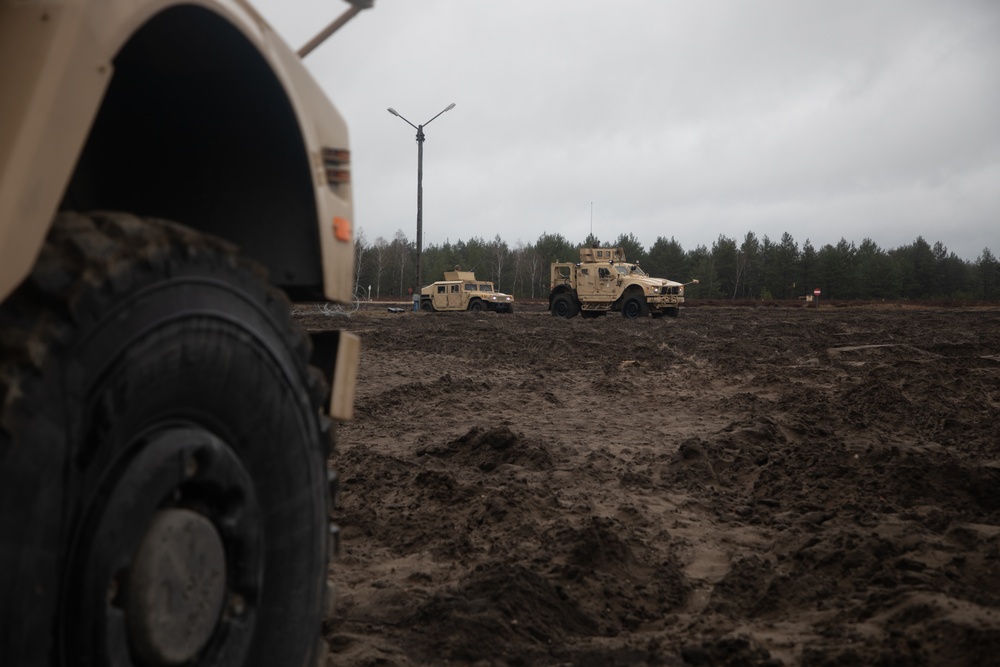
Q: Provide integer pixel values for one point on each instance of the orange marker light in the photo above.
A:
(342, 229)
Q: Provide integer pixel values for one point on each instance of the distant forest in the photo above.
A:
(754, 268)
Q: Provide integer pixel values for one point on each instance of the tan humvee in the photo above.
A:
(605, 281)
(461, 291)
(170, 175)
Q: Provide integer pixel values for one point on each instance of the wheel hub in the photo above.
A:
(176, 588)
(169, 571)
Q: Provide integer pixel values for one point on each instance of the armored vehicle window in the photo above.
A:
(604, 272)
(485, 288)
(564, 272)
(454, 288)
(469, 287)
(585, 272)
(440, 289)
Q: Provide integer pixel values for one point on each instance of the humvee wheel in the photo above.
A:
(160, 449)
(635, 306)
(427, 306)
(564, 305)
(476, 305)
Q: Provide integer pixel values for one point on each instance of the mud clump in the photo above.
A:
(504, 611)
(487, 449)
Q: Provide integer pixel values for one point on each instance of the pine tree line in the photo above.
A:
(756, 268)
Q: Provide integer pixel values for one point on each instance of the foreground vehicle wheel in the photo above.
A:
(162, 458)
(564, 305)
(635, 306)
(476, 306)
(427, 307)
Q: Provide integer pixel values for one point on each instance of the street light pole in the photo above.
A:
(420, 183)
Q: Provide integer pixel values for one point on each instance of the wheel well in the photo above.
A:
(195, 127)
(630, 291)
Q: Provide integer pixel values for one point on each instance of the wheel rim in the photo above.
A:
(631, 309)
(170, 560)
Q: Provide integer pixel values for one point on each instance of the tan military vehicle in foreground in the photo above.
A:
(461, 291)
(604, 281)
(169, 172)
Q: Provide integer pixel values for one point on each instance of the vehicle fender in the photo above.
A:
(56, 62)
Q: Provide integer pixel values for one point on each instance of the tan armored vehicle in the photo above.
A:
(169, 172)
(604, 281)
(461, 291)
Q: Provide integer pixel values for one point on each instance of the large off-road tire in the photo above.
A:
(427, 306)
(476, 306)
(565, 305)
(635, 306)
(163, 487)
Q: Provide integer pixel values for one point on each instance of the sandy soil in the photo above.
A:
(737, 486)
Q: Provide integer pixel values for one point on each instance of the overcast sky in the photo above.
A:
(828, 120)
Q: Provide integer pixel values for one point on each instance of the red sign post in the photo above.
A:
(816, 296)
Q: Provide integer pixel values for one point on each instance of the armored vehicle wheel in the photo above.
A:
(427, 306)
(476, 305)
(564, 305)
(160, 446)
(635, 306)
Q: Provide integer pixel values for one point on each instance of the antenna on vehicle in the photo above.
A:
(478, 263)
(356, 7)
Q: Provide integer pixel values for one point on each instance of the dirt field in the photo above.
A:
(737, 486)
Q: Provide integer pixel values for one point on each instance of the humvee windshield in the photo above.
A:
(486, 288)
(630, 269)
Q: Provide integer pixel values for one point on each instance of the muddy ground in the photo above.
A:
(737, 486)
